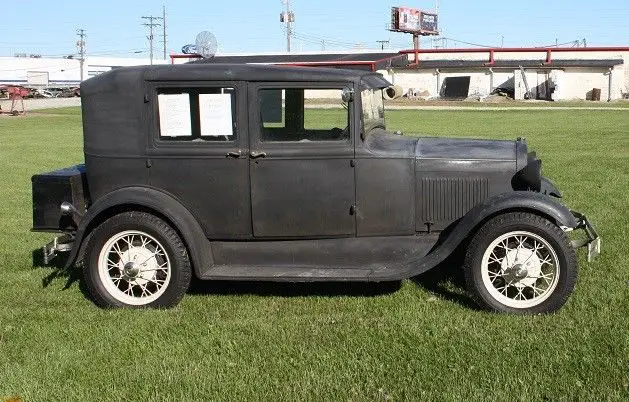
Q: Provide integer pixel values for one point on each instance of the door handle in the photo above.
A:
(233, 154)
(256, 155)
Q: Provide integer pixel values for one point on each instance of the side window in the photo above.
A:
(303, 115)
(197, 114)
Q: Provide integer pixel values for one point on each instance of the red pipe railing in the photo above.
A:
(493, 50)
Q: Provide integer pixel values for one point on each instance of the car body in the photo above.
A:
(248, 172)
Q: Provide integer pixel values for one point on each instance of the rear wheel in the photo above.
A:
(520, 263)
(135, 259)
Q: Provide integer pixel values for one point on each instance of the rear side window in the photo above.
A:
(197, 114)
(303, 115)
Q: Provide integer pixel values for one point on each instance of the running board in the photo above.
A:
(291, 274)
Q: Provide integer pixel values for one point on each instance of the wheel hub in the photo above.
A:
(131, 270)
(521, 267)
(139, 265)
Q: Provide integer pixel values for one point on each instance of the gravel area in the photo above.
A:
(35, 104)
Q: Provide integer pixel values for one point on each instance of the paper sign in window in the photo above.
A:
(215, 112)
(174, 115)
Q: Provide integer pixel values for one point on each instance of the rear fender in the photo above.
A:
(145, 198)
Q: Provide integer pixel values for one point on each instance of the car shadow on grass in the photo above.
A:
(293, 289)
(447, 281)
(58, 269)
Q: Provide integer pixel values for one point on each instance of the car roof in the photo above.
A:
(240, 72)
(114, 102)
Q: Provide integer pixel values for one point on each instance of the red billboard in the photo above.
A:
(412, 20)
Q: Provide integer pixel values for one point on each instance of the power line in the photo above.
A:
(467, 43)
(151, 25)
(382, 42)
(332, 42)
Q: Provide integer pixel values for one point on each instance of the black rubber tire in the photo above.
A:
(529, 222)
(181, 271)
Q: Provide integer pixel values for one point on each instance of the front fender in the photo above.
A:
(507, 202)
(148, 198)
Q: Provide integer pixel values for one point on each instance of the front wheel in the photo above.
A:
(135, 259)
(520, 263)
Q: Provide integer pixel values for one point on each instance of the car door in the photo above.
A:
(198, 152)
(301, 161)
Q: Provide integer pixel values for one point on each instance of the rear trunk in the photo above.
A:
(51, 190)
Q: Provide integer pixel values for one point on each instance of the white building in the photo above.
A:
(59, 72)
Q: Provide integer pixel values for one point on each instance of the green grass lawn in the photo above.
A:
(502, 103)
(510, 103)
(421, 341)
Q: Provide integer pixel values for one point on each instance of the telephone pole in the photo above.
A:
(382, 42)
(81, 45)
(164, 34)
(151, 25)
(288, 17)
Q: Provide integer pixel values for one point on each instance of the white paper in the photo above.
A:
(174, 115)
(216, 115)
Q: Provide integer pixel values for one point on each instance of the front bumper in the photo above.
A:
(592, 240)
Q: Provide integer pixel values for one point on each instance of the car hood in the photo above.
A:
(383, 143)
(465, 149)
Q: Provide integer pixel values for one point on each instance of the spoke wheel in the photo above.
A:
(136, 259)
(134, 267)
(520, 263)
(520, 269)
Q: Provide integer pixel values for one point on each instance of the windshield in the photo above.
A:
(373, 109)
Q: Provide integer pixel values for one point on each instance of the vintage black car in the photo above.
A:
(277, 173)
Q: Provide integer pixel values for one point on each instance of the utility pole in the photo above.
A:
(151, 26)
(288, 17)
(382, 42)
(81, 45)
(164, 36)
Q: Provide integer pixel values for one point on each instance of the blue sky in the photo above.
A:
(114, 27)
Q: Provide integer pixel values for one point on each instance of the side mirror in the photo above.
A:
(347, 95)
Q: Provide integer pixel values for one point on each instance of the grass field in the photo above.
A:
(419, 340)
(500, 103)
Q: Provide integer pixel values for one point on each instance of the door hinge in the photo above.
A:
(352, 162)
(146, 98)
(352, 210)
(149, 163)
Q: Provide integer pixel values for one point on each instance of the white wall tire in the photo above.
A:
(135, 260)
(134, 268)
(520, 263)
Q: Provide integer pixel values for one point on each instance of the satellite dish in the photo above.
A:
(206, 44)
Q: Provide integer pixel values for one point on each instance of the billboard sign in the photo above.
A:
(412, 20)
